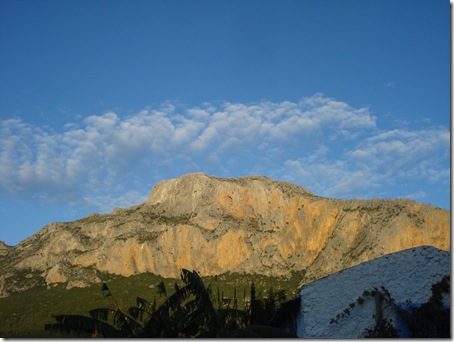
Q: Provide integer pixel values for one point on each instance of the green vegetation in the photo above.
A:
(94, 218)
(24, 314)
(188, 312)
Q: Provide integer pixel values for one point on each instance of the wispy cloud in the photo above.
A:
(376, 164)
(321, 143)
(390, 84)
(417, 195)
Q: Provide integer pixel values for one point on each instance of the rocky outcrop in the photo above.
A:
(4, 248)
(213, 225)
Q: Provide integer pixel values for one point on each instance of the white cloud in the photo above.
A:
(106, 203)
(104, 122)
(399, 153)
(378, 164)
(390, 84)
(326, 145)
(416, 195)
(331, 178)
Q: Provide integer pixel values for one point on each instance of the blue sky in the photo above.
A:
(100, 100)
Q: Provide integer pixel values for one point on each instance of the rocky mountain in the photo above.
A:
(4, 248)
(214, 225)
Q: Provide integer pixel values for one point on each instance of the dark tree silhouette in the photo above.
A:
(188, 312)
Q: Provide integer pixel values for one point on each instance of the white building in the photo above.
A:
(343, 304)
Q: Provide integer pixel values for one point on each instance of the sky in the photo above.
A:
(101, 100)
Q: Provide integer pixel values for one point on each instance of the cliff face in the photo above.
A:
(213, 225)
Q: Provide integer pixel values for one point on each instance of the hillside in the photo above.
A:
(24, 314)
(214, 225)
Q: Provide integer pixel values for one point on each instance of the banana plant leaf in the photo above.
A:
(101, 313)
(82, 326)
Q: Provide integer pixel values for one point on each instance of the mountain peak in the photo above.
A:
(191, 187)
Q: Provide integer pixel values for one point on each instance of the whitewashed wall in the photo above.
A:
(407, 275)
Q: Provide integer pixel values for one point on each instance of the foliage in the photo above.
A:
(265, 308)
(188, 312)
(24, 314)
(105, 322)
(429, 319)
(383, 329)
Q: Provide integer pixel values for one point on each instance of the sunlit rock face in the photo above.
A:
(213, 225)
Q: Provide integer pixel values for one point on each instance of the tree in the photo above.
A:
(188, 312)
(263, 309)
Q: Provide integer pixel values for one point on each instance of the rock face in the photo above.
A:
(4, 248)
(212, 225)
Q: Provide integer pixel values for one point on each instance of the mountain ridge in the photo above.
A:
(250, 224)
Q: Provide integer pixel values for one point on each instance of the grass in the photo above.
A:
(23, 315)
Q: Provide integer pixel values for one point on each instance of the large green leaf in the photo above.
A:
(162, 288)
(139, 314)
(101, 313)
(82, 326)
(126, 324)
(163, 322)
(193, 280)
(142, 303)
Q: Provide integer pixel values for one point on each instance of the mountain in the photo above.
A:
(4, 248)
(215, 225)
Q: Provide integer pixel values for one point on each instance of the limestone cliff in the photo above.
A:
(213, 225)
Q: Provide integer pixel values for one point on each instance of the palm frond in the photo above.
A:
(193, 280)
(100, 313)
(162, 289)
(139, 313)
(68, 330)
(235, 313)
(190, 305)
(105, 290)
(79, 325)
(195, 283)
(143, 303)
(162, 321)
(104, 287)
(176, 299)
(127, 325)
